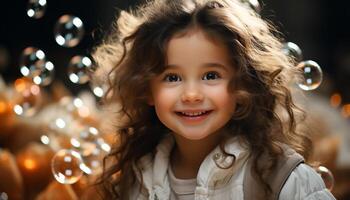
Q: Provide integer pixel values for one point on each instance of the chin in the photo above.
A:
(194, 136)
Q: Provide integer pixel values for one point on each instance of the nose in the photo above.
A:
(192, 93)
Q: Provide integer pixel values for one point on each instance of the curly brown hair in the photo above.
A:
(135, 52)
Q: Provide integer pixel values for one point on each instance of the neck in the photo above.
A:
(188, 155)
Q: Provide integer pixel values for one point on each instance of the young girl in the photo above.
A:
(205, 106)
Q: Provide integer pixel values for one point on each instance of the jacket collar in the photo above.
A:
(215, 170)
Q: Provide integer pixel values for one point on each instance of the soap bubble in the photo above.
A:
(87, 140)
(32, 61)
(36, 8)
(27, 99)
(78, 69)
(66, 165)
(293, 50)
(89, 134)
(92, 147)
(311, 75)
(46, 75)
(327, 177)
(93, 161)
(253, 4)
(69, 30)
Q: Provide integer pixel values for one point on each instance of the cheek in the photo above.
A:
(164, 98)
(223, 98)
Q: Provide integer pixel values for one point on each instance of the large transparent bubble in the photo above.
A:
(69, 30)
(78, 69)
(36, 8)
(311, 75)
(66, 165)
(32, 61)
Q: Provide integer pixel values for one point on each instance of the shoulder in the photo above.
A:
(305, 183)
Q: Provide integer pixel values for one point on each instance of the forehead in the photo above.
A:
(195, 46)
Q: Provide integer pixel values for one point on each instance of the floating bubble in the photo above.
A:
(27, 99)
(89, 134)
(292, 50)
(32, 61)
(69, 30)
(36, 8)
(93, 161)
(327, 177)
(46, 75)
(78, 69)
(66, 165)
(311, 75)
(253, 4)
(88, 140)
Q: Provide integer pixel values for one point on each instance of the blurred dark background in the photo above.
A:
(320, 27)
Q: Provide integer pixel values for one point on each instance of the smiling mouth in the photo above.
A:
(194, 114)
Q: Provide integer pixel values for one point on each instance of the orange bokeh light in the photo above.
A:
(3, 107)
(346, 110)
(29, 164)
(335, 100)
(21, 84)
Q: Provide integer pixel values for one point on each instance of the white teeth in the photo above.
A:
(193, 114)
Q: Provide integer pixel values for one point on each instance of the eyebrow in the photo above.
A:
(205, 65)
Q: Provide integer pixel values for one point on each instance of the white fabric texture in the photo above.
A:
(181, 189)
(214, 182)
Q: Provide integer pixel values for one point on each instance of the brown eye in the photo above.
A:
(172, 78)
(211, 76)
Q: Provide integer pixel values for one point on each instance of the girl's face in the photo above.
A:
(191, 96)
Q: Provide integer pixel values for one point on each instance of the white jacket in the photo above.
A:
(217, 183)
